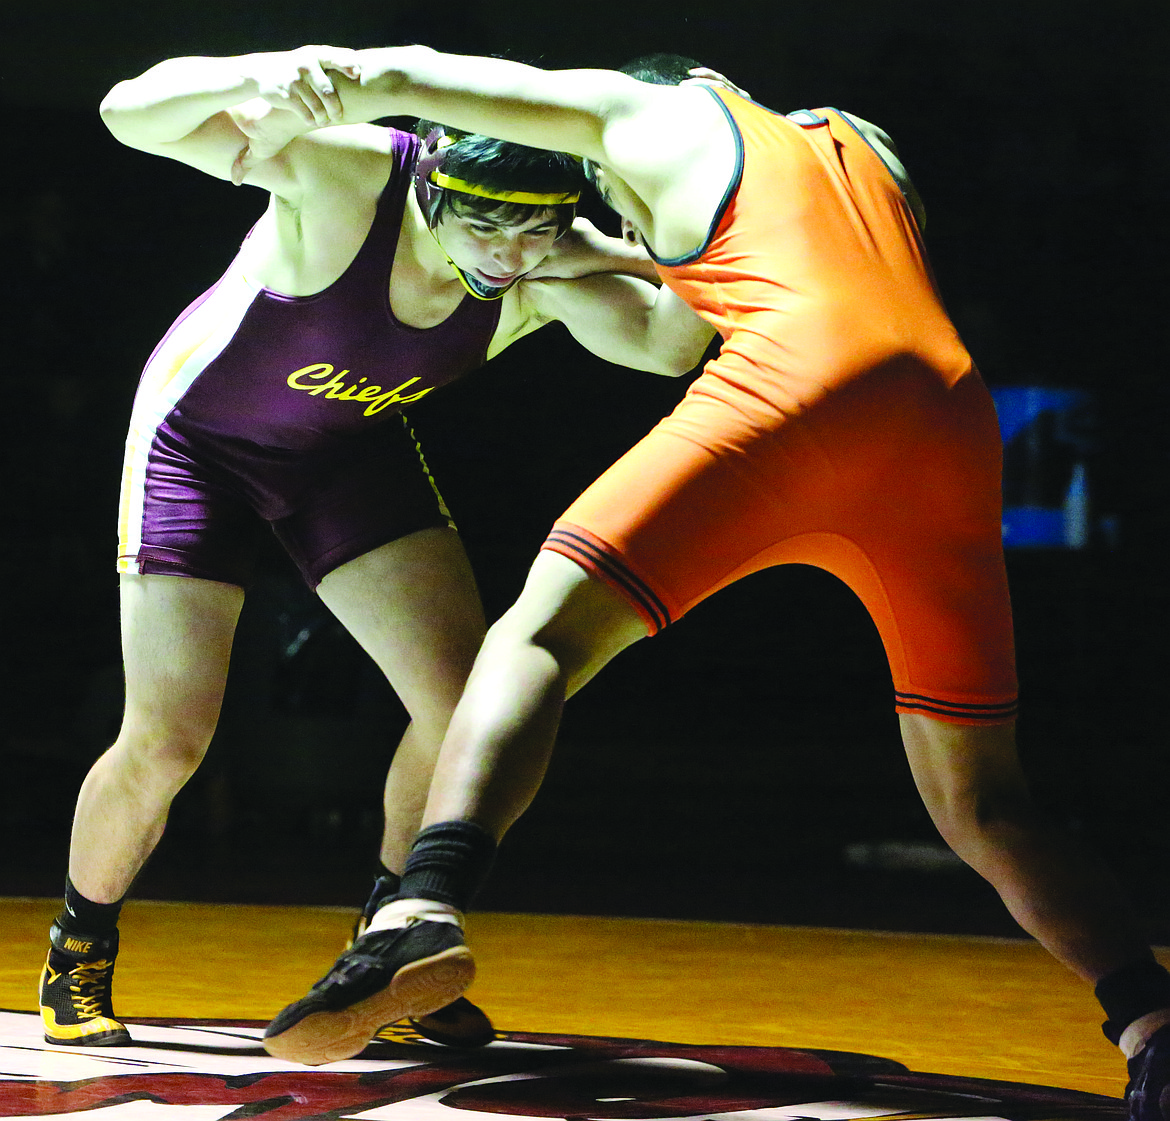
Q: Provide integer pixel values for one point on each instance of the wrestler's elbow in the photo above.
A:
(671, 362)
(131, 117)
(116, 109)
(682, 368)
(678, 336)
(396, 70)
(683, 352)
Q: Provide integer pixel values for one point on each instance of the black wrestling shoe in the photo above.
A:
(387, 975)
(460, 1024)
(1148, 1092)
(75, 993)
(384, 890)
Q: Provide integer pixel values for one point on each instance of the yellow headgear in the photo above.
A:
(531, 198)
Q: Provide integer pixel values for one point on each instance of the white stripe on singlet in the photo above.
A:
(186, 350)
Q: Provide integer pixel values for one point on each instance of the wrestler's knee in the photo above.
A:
(581, 622)
(971, 782)
(160, 750)
(980, 821)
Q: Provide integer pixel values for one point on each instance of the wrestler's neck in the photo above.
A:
(429, 265)
(619, 196)
(424, 289)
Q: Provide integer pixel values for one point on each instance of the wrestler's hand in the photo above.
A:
(299, 81)
(705, 76)
(585, 250)
(268, 131)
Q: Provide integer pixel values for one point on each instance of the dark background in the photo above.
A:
(728, 768)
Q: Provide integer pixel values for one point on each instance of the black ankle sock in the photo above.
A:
(448, 863)
(84, 916)
(1130, 993)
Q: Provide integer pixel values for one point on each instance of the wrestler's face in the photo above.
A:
(494, 252)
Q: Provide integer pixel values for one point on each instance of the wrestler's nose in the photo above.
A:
(509, 255)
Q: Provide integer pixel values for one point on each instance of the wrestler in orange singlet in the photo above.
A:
(842, 425)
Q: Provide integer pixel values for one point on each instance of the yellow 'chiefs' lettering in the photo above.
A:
(320, 378)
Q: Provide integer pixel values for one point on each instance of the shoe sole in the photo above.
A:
(97, 1039)
(418, 988)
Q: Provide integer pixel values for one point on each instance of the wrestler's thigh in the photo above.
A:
(176, 644)
(413, 605)
(935, 578)
(580, 620)
(940, 600)
(673, 520)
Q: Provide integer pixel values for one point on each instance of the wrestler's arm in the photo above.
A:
(204, 111)
(585, 250)
(564, 110)
(633, 127)
(624, 320)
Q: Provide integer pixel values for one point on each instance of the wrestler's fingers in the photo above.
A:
(343, 60)
(240, 166)
(319, 92)
(313, 89)
(293, 99)
(705, 76)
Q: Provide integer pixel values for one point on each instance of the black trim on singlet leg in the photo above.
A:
(611, 566)
(935, 706)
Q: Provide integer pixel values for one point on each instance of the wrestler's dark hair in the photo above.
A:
(661, 69)
(500, 165)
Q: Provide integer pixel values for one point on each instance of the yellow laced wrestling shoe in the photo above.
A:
(75, 991)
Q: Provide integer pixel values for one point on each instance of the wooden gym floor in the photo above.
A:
(987, 1008)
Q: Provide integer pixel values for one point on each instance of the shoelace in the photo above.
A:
(89, 983)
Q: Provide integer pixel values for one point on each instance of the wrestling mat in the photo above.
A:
(204, 1070)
